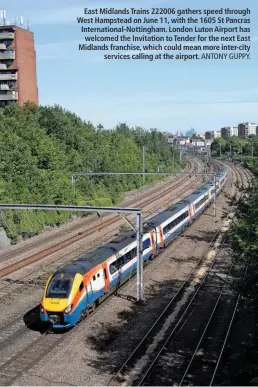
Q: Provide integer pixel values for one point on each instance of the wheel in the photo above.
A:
(84, 315)
(93, 307)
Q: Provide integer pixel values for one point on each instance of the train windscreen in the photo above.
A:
(59, 287)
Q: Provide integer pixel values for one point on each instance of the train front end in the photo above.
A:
(59, 306)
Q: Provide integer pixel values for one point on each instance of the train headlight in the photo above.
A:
(68, 309)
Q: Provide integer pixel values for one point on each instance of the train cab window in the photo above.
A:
(94, 278)
(59, 287)
(81, 287)
(105, 273)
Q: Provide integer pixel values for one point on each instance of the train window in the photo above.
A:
(120, 262)
(81, 286)
(105, 273)
(146, 244)
(94, 278)
(128, 256)
(198, 204)
(59, 287)
(98, 275)
(113, 267)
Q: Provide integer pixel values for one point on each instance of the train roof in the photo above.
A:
(201, 191)
(222, 173)
(170, 211)
(85, 263)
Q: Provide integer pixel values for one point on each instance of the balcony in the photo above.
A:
(6, 35)
(7, 55)
(11, 96)
(2, 46)
(8, 77)
(4, 87)
(3, 66)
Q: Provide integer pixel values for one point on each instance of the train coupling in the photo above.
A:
(54, 319)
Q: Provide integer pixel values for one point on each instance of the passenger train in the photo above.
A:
(77, 288)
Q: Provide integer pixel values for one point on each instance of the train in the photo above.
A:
(76, 289)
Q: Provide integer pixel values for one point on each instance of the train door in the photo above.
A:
(191, 212)
(105, 276)
(153, 235)
(161, 239)
(98, 283)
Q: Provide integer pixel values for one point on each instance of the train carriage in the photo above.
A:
(169, 224)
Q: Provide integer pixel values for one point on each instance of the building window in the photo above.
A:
(10, 83)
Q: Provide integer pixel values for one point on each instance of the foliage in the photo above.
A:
(244, 240)
(235, 146)
(41, 147)
(244, 233)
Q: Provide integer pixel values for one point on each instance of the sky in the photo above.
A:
(168, 95)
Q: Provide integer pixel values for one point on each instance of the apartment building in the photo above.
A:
(208, 135)
(18, 79)
(246, 129)
(229, 131)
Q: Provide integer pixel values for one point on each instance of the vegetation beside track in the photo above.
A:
(239, 366)
(40, 149)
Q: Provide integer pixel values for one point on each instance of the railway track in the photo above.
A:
(168, 315)
(195, 346)
(148, 365)
(25, 359)
(135, 371)
(203, 365)
(38, 346)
